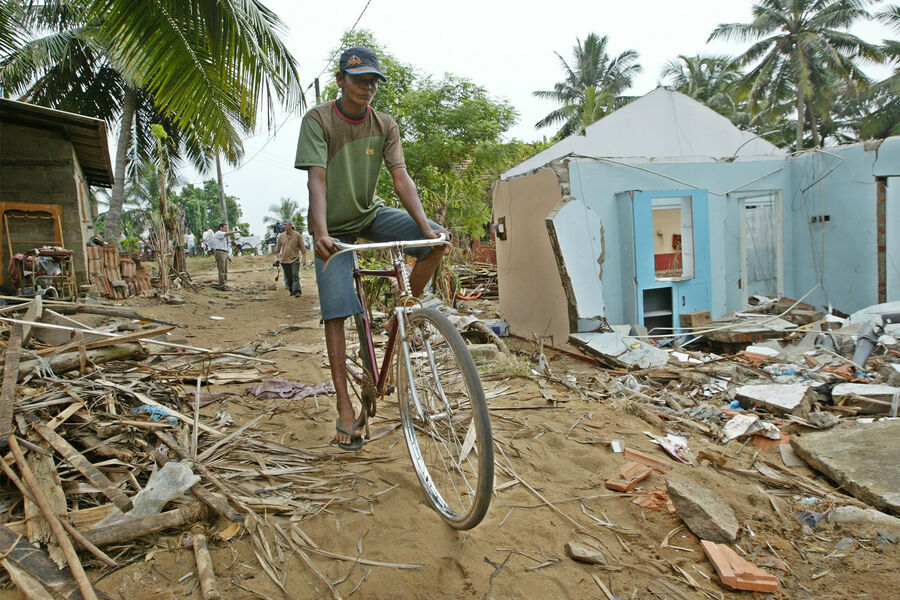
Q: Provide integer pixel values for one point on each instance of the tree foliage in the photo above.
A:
(201, 206)
(801, 50)
(286, 210)
(593, 87)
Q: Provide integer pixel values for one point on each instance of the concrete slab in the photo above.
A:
(856, 394)
(619, 350)
(862, 458)
(777, 398)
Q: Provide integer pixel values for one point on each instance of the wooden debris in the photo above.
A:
(84, 584)
(84, 466)
(8, 389)
(206, 575)
(131, 529)
(17, 552)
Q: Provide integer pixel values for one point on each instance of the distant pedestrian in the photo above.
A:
(219, 245)
(206, 241)
(191, 242)
(288, 252)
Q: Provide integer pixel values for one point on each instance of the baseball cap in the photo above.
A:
(360, 60)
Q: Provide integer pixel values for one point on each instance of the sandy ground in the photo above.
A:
(562, 452)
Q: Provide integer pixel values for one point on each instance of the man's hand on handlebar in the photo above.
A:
(433, 234)
(325, 247)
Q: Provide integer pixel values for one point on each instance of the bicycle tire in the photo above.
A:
(438, 384)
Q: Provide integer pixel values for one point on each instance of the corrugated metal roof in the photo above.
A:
(663, 124)
(88, 135)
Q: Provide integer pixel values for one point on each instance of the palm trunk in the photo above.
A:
(814, 128)
(114, 215)
(801, 109)
(222, 206)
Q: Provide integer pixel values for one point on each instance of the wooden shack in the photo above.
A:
(48, 161)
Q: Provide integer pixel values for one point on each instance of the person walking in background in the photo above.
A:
(191, 243)
(219, 245)
(206, 241)
(288, 252)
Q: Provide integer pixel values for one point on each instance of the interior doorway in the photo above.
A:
(762, 272)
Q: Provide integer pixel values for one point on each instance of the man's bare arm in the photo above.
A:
(318, 226)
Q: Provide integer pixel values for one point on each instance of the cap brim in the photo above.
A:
(366, 71)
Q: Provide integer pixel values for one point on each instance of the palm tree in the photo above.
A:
(593, 85)
(708, 79)
(804, 46)
(884, 120)
(207, 65)
(286, 210)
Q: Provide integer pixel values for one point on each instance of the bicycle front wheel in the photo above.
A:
(445, 419)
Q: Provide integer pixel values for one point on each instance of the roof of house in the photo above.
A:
(88, 135)
(663, 124)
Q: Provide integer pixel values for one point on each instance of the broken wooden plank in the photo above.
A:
(121, 339)
(69, 309)
(84, 584)
(8, 389)
(208, 586)
(33, 313)
(134, 528)
(72, 360)
(84, 466)
(15, 549)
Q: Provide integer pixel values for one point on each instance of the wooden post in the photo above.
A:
(205, 572)
(10, 376)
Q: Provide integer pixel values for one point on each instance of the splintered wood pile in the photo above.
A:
(477, 280)
(86, 443)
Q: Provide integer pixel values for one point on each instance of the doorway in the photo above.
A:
(762, 272)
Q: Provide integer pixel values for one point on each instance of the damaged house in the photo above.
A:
(48, 160)
(665, 208)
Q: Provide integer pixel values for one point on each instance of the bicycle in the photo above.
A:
(443, 411)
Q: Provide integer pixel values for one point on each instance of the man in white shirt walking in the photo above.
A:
(219, 245)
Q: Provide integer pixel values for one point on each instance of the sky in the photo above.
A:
(507, 47)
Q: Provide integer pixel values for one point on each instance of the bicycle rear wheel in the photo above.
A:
(445, 419)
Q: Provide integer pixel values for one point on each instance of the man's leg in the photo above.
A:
(424, 270)
(336, 344)
(286, 269)
(221, 265)
(337, 299)
(295, 274)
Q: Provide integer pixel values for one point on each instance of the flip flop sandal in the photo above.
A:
(356, 442)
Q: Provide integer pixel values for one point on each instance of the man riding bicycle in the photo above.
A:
(342, 145)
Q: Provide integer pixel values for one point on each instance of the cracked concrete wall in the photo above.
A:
(532, 297)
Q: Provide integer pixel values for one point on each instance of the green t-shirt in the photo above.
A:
(351, 151)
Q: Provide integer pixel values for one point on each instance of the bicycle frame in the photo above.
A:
(399, 272)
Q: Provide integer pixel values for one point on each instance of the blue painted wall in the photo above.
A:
(845, 192)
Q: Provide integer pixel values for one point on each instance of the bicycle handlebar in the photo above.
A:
(442, 239)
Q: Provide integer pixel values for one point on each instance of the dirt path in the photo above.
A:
(561, 451)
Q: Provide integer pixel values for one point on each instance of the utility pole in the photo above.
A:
(318, 99)
(222, 206)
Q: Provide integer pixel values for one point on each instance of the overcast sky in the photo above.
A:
(506, 47)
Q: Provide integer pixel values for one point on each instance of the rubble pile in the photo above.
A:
(103, 448)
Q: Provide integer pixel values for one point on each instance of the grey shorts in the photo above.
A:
(337, 295)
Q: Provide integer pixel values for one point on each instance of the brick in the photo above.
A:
(661, 465)
(629, 476)
(735, 572)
